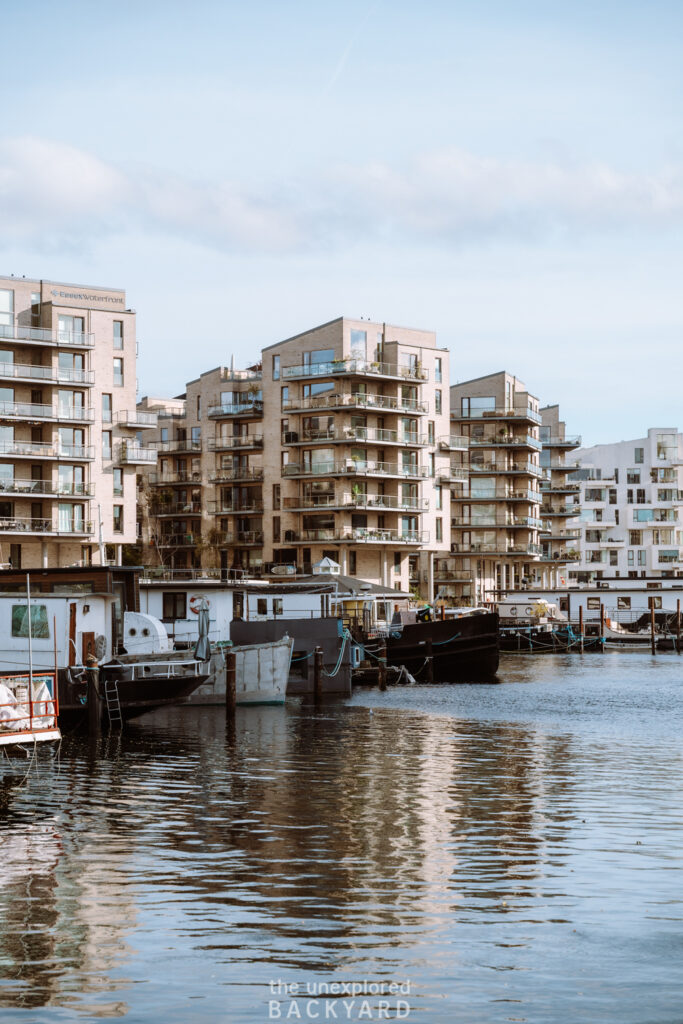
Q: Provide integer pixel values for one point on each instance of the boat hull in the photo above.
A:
(463, 650)
(136, 696)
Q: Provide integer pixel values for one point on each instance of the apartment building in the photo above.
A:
(560, 499)
(631, 497)
(337, 444)
(70, 434)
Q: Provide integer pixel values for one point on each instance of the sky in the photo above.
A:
(508, 174)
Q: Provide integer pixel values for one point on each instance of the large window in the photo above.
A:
(71, 328)
(40, 628)
(477, 405)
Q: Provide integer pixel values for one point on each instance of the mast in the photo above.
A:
(30, 651)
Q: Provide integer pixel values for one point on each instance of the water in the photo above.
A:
(505, 853)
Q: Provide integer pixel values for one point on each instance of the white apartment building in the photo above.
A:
(631, 496)
(70, 433)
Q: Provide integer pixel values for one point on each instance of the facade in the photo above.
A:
(507, 527)
(337, 445)
(631, 496)
(560, 501)
(70, 433)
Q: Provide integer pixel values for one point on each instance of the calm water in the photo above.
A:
(506, 853)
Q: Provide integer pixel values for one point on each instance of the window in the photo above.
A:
(6, 307)
(612, 495)
(284, 397)
(614, 556)
(430, 431)
(118, 483)
(106, 444)
(359, 343)
(174, 606)
(71, 328)
(638, 455)
(632, 476)
(432, 464)
(640, 496)
(276, 496)
(642, 557)
(397, 562)
(106, 408)
(261, 605)
(278, 606)
(196, 434)
(276, 367)
(352, 563)
(118, 373)
(439, 529)
(39, 623)
(118, 333)
(199, 407)
(35, 309)
(118, 518)
(438, 373)
(439, 497)
(437, 401)
(276, 529)
(635, 537)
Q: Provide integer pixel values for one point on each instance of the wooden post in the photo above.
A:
(94, 700)
(602, 628)
(382, 667)
(230, 682)
(581, 628)
(430, 661)
(652, 629)
(678, 625)
(318, 673)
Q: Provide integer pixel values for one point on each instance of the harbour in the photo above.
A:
(508, 850)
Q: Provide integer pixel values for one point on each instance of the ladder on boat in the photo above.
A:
(111, 697)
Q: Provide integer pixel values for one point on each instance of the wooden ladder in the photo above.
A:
(111, 696)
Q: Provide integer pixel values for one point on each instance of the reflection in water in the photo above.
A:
(482, 842)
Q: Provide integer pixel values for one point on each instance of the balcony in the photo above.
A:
(231, 444)
(558, 557)
(503, 440)
(519, 415)
(355, 468)
(452, 575)
(245, 538)
(357, 536)
(45, 489)
(175, 508)
(135, 455)
(516, 468)
(555, 441)
(550, 533)
(46, 450)
(163, 479)
(495, 494)
(381, 502)
(137, 420)
(57, 414)
(355, 435)
(231, 476)
(508, 522)
(46, 336)
(454, 443)
(356, 400)
(46, 374)
(178, 540)
(566, 487)
(530, 550)
(355, 368)
(562, 510)
(452, 475)
(41, 527)
(251, 410)
(247, 508)
(184, 447)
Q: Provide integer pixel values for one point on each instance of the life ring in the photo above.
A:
(527, 610)
(195, 602)
(513, 611)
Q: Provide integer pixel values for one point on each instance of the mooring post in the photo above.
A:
(652, 629)
(382, 667)
(581, 628)
(94, 699)
(230, 683)
(429, 657)
(678, 625)
(318, 673)
(602, 628)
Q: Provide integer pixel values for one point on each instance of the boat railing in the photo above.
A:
(22, 716)
(164, 669)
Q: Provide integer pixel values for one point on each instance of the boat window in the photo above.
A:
(261, 605)
(39, 624)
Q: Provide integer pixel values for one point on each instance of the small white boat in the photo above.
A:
(261, 674)
(28, 710)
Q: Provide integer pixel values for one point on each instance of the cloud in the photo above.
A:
(57, 194)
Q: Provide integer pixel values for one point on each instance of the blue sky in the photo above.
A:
(508, 174)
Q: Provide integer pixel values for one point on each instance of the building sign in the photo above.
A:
(85, 297)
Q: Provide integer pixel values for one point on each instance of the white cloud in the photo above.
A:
(51, 191)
